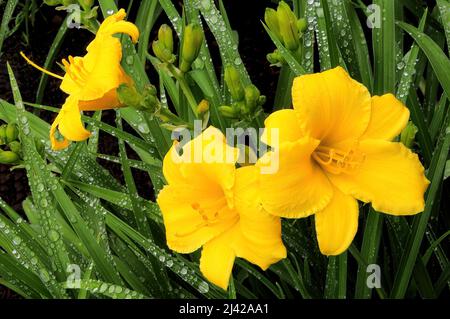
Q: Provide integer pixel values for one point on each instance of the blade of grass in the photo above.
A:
(6, 19)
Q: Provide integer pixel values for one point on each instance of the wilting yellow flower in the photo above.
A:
(91, 81)
(335, 147)
(210, 203)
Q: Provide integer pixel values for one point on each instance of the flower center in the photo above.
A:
(337, 161)
(76, 70)
(212, 213)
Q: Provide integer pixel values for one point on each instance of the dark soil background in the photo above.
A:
(254, 44)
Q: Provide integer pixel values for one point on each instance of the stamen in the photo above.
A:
(337, 161)
(40, 68)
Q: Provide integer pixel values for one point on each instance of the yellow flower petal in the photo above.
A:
(259, 237)
(56, 144)
(298, 188)
(106, 102)
(115, 24)
(331, 106)
(286, 124)
(172, 166)
(209, 156)
(186, 209)
(389, 117)
(216, 262)
(337, 224)
(69, 124)
(391, 177)
(95, 74)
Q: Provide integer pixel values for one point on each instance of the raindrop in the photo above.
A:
(129, 60)
(53, 235)
(16, 241)
(203, 287)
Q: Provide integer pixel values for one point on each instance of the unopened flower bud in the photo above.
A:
(11, 132)
(8, 157)
(86, 4)
(203, 107)
(192, 43)
(275, 58)
(288, 26)
(162, 53)
(262, 100)
(15, 147)
(67, 3)
(228, 111)
(251, 97)
(234, 84)
(165, 36)
(271, 19)
(3, 134)
(129, 96)
(52, 2)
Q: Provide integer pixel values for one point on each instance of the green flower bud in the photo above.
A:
(86, 4)
(150, 103)
(8, 157)
(12, 133)
(228, 111)
(302, 25)
(251, 97)
(129, 96)
(165, 36)
(52, 2)
(288, 26)
(3, 134)
(275, 58)
(262, 100)
(67, 3)
(162, 53)
(15, 147)
(240, 107)
(408, 135)
(271, 19)
(234, 84)
(192, 43)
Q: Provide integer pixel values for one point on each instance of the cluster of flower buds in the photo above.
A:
(163, 46)
(145, 101)
(246, 99)
(286, 27)
(82, 13)
(191, 43)
(11, 150)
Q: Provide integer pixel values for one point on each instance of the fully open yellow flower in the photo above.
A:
(91, 81)
(210, 203)
(335, 147)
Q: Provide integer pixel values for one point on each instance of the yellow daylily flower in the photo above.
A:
(336, 147)
(209, 203)
(91, 81)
